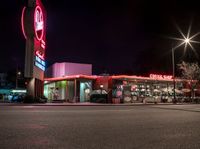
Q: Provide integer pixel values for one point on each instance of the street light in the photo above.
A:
(185, 41)
(18, 74)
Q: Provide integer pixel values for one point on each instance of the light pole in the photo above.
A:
(18, 73)
(186, 41)
(174, 82)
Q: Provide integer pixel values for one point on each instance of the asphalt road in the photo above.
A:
(100, 127)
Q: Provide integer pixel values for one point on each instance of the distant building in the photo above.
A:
(3, 79)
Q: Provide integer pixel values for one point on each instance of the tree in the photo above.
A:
(190, 72)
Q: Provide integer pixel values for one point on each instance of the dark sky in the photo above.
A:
(119, 37)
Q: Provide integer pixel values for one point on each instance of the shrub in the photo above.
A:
(28, 99)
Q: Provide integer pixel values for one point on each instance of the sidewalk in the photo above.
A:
(82, 104)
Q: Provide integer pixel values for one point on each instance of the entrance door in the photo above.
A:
(85, 89)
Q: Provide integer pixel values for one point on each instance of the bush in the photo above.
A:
(42, 99)
(28, 99)
(31, 99)
(1, 96)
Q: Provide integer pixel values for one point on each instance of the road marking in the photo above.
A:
(68, 111)
(187, 109)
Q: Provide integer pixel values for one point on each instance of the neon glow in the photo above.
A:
(40, 66)
(135, 78)
(43, 44)
(39, 23)
(40, 63)
(19, 91)
(40, 55)
(93, 77)
(71, 77)
(156, 76)
(22, 22)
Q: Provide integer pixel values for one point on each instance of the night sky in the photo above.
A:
(116, 37)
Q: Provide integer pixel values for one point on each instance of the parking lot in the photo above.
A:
(103, 127)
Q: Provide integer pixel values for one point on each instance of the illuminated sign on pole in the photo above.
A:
(39, 23)
(33, 21)
(39, 33)
(34, 31)
(40, 63)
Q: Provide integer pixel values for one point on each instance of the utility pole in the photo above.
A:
(174, 81)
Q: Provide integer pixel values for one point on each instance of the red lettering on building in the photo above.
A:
(157, 77)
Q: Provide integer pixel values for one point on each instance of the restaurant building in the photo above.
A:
(73, 82)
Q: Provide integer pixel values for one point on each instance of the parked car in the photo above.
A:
(99, 96)
(17, 98)
(43, 99)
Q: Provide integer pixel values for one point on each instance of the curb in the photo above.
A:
(88, 104)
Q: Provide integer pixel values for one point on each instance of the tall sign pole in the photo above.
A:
(33, 21)
(174, 81)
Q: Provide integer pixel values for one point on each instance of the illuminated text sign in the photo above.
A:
(33, 23)
(156, 76)
(39, 23)
(40, 63)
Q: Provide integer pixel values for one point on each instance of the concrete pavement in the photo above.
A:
(100, 127)
(83, 104)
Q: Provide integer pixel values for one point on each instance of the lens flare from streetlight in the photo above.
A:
(186, 39)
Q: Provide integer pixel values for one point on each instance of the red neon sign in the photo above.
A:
(40, 54)
(156, 76)
(39, 23)
(22, 22)
(43, 44)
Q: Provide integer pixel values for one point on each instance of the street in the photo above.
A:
(100, 127)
